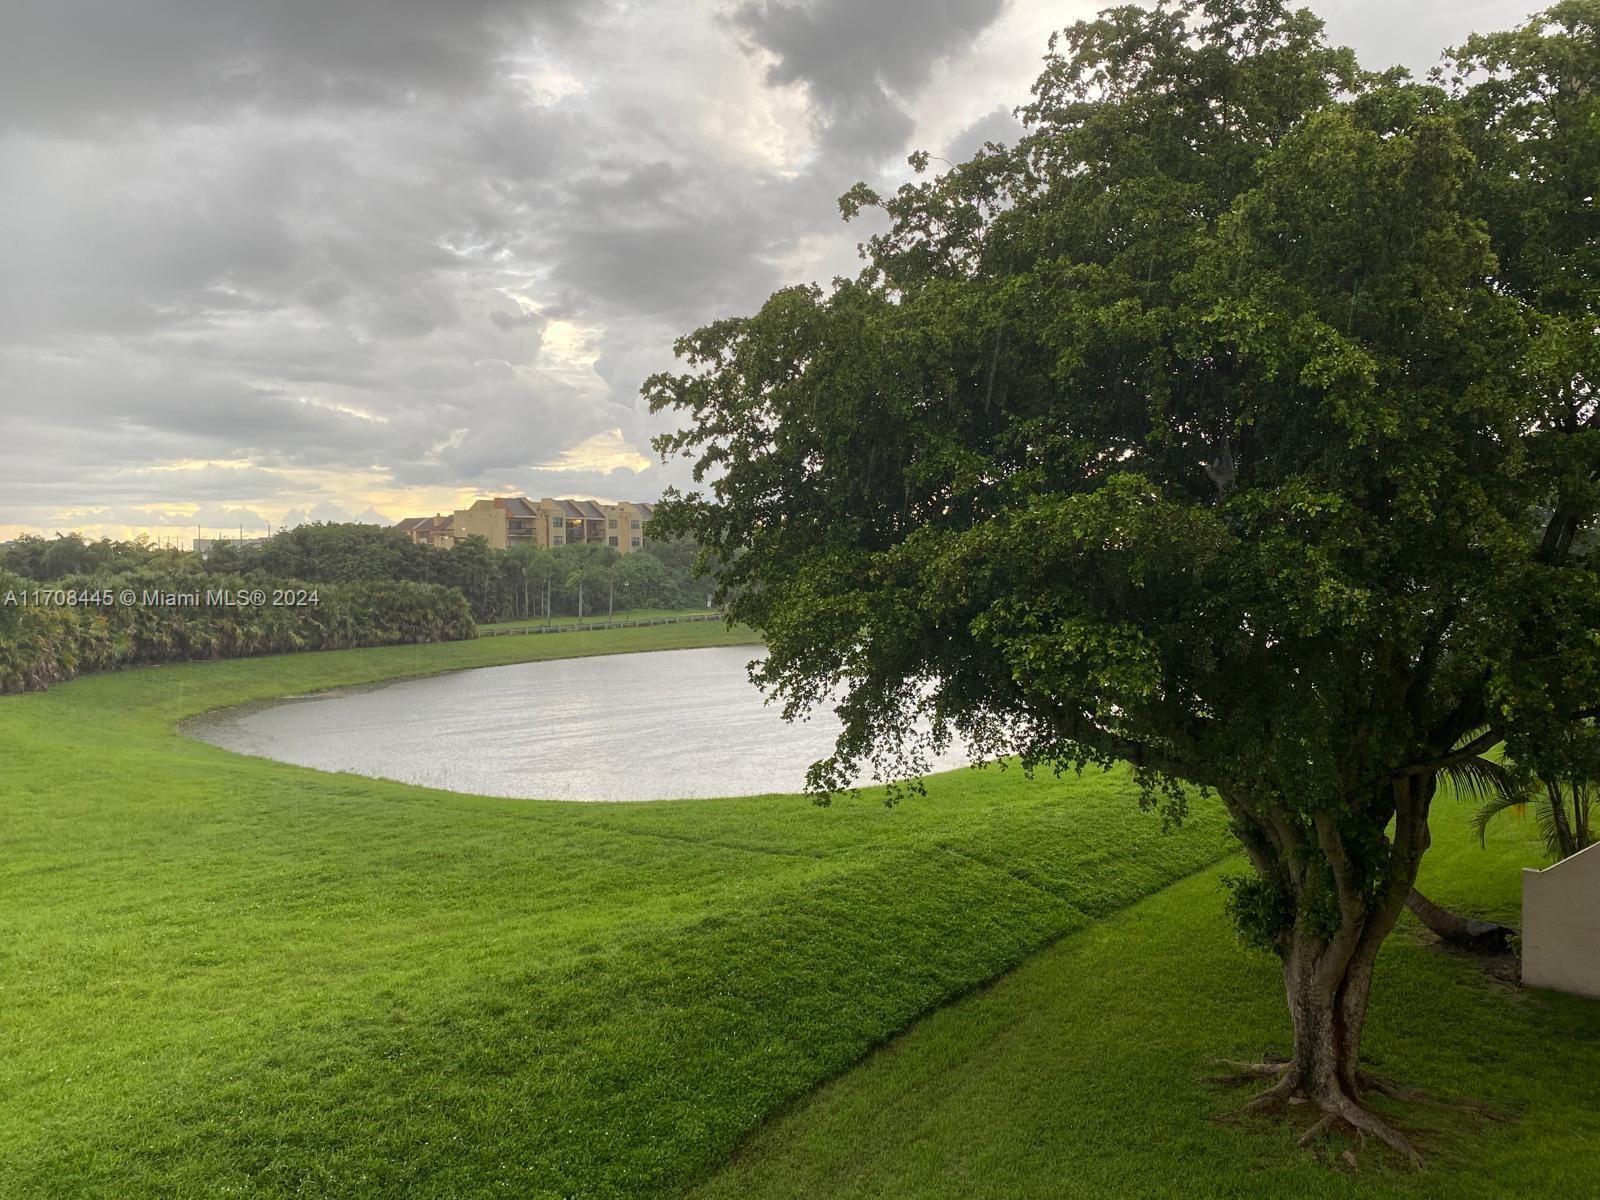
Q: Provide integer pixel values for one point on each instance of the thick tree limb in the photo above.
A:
(1487, 740)
(1469, 933)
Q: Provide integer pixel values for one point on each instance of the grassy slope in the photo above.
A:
(1088, 1067)
(224, 976)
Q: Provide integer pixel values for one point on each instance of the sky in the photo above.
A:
(368, 259)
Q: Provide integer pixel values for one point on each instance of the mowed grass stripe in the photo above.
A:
(1083, 1074)
(225, 976)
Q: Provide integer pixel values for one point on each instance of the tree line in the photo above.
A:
(523, 582)
(158, 612)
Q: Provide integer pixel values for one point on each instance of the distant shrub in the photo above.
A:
(45, 643)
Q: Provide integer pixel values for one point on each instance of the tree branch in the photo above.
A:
(1487, 740)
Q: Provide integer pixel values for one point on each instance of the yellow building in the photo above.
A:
(503, 522)
(625, 525)
(508, 521)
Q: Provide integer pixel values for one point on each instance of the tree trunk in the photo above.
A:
(1327, 1045)
(1481, 937)
(1558, 819)
(1327, 972)
(1328, 1010)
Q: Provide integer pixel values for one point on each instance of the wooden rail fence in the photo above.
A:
(578, 628)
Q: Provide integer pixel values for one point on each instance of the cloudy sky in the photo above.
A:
(333, 259)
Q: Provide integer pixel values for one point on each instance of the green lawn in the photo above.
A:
(621, 614)
(1083, 1073)
(221, 976)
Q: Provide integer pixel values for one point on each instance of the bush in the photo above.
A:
(41, 644)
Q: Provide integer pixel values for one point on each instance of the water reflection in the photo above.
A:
(653, 726)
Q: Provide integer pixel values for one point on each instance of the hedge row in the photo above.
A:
(51, 632)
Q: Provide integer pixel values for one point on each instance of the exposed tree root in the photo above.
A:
(1407, 1095)
(1324, 1124)
(1236, 1072)
(1339, 1112)
(1277, 1097)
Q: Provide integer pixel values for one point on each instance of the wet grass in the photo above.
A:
(1084, 1073)
(222, 976)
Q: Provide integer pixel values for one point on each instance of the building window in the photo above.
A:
(612, 524)
(613, 541)
(633, 524)
(556, 540)
(635, 543)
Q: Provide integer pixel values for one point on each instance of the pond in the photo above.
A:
(652, 726)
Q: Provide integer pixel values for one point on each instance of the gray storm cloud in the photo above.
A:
(313, 256)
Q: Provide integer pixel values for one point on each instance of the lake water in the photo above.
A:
(654, 726)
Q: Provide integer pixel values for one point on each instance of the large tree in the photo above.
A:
(1199, 430)
(1531, 101)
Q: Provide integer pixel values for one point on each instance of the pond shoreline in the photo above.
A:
(636, 727)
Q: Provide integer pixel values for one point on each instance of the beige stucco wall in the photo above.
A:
(626, 516)
(1561, 925)
(485, 519)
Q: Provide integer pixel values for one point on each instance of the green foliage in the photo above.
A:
(330, 552)
(645, 581)
(46, 643)
(43, 559)
(1260, 909)
(1238, 422)
(499, 585)
(1563, 811)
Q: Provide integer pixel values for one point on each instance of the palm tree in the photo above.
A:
(1491, 783)
(1564, 809)
(537, 569)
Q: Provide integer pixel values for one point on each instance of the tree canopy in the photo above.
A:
(1237, 423)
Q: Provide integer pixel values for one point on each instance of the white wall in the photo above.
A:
(1561, 925)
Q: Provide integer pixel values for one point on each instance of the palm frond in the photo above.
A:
(1491, 809)
(1485, 780)
(1494, 785)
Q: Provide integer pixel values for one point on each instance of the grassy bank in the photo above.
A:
(225, 976)
(1083, 1074)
